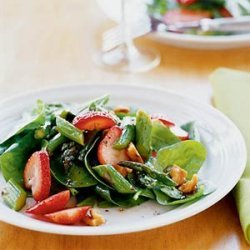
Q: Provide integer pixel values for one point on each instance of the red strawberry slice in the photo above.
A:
(37, 175)
(154, 153)
(186, 2)
(94, 120)
(51, 204)
(179, 132)
(72, 202)
(69, 216)
(106, 153)
(183, 15)
(162, 118)
(225, 12)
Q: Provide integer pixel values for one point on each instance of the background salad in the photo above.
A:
(171, 11)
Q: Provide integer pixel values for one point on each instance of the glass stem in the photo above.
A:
(129, 47)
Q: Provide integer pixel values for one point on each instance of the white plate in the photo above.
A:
(111, 8)
(202, 42)
(224, 165)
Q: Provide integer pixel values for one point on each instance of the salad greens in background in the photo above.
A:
(97, 170)
(171, 11)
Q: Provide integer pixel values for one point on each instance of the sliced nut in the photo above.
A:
(123, 171)
(133, 154)
(178, 175)
(94, 219)
(122, 109)
(189, 186)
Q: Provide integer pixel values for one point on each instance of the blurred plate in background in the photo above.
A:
(111, 8)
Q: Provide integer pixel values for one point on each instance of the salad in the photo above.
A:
(172, 11)
(72, 159)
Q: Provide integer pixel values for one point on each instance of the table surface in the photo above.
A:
(48, 43)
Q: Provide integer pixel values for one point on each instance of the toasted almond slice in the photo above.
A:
(94, 218)
(178, 175)
(133, 154)
(189, 186)
(123, 171)
(122, 109)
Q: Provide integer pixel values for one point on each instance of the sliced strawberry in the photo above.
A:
(186, 2)
(163, 118)
(225, 12)
(179, 132)
(183, 15)
(51, 204)
(106, 153)
(69, 216)
(71, 203)
(94, 120)
(154, 153)
(37, 175)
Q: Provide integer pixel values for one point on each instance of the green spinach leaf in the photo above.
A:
(13, 160)
(124, 200)
(161, 136)
(191, 197)
(189, 155)
(75, 177)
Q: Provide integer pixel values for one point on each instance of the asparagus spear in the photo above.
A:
(69, 130)
(14, 195)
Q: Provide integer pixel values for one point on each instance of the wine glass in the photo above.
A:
(127, 57)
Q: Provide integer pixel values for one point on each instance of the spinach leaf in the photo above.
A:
(90, 201)
(105, 204)
(80, 177)
(13, 160)
(172, 192)
(75, 177)
(161, 136)
(18, 136)
(189, 155)
(191, 197)
(43, 116)
(147, 193)
(7, 143)
(124, 200)
(165, 200)
(161, 198)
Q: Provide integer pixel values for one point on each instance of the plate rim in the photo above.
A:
(204, 39)
(147, 225)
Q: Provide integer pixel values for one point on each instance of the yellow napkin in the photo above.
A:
(231, 89)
